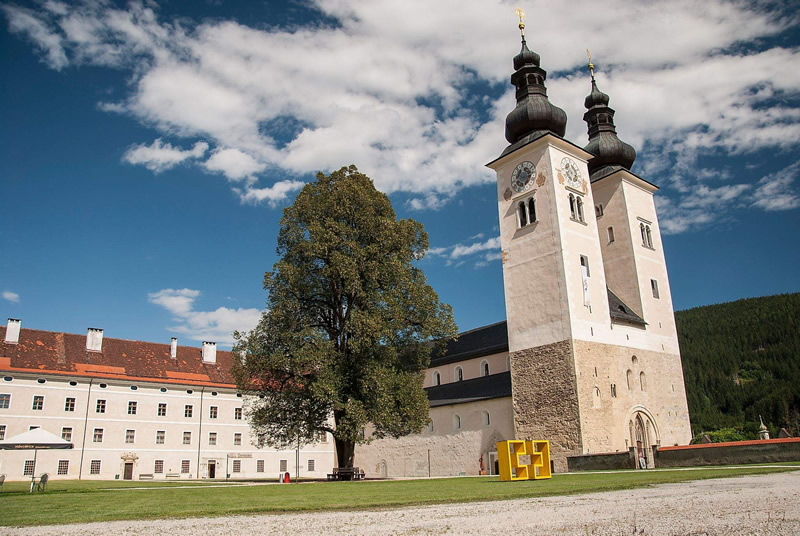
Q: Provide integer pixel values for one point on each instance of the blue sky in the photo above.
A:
(146, 150)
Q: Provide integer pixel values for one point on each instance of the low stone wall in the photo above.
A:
(731, 453)
(602, 462)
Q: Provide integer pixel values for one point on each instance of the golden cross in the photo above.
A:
(521, 14)
(591, 65)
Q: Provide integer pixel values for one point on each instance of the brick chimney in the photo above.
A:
(12, 330)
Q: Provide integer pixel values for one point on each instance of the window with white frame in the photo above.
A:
(132, 408)
(237, 414)
(654, 288)
(94, 467)
(647, 235)
(576, 208)
(526, 212)
(27, 469)
(437, 378)
(158, 467)
(213, 411)
(38, 402)
(283, 465)
(63, 467)
(66, 433)
(100, 406)
(484, 368)
(212, 438)
(162, 409)
(237, 466)
(187, 438)
(2, 432)
(237, 439)
(312, 465)
(130, 436)
(161, 437)
(69, 404)
(97, 436)
(185, 466)
(187, 410)
(259, 466)
(5, 400)
(458, 374)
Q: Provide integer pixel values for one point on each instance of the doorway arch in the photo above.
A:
(643, 435)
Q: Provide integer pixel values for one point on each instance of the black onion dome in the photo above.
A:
(534, 114)
(610, 153)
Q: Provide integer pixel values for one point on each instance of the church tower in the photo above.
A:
(595, 365)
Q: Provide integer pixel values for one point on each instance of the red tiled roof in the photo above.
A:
(49, 352)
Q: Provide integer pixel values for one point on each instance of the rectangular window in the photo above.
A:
(259, 466)
(283, 465)
(38, 402)
(312, 465)
(33, 427)
(66, 433)
(654, 287)
(158, 468)
(69, 404)
(100, 407)
(162, 410)
(97, 437)
(161, 436)
(63, 467)
(614, 390)
(94, 467)
(187, 410)
(2, 432)
(212, 412)
(185, 466)
(187, 438)
(130, 436)
(5, 400)
(237, 439)
(131, 408)
(237, 466)
(212, 438)
(585, 265)
(27, 469)
(610, 234)
(237, 414)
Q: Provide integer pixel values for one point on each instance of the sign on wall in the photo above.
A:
(513, 454)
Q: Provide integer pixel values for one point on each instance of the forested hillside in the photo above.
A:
(741, 360)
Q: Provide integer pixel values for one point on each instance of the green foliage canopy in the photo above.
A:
(350, 322)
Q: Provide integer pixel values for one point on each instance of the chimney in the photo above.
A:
(209, 352)
(173, 347)
(12, 330)
(94, 340)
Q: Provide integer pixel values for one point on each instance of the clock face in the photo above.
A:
(571, 172)
(522, 177)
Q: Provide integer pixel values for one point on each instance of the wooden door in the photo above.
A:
(128, 471)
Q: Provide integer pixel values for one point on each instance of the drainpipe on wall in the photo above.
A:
(85, 426)
(200, 431)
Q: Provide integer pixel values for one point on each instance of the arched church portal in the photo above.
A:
(643, 436)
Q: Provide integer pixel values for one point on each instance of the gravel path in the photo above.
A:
(758, 505)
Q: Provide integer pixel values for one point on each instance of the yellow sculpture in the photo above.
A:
(513, 468)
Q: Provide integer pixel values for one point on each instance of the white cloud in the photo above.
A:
(10, 296)
(234, 164)
(161, 156)
(217, 325)
(386, 89)
(489, 251)
(774, 192)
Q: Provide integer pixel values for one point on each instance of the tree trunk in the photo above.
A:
(345, 452)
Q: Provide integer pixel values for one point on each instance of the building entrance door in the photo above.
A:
(128, 474)
(212, 470)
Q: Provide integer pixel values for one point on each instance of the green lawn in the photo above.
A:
(81, 501)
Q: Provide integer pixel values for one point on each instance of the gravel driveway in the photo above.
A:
(762, 505)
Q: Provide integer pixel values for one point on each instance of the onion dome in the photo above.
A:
(610, 153)
(534, 115)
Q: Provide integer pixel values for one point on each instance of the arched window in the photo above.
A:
(458, 374)
(532, 210)
(630, 379)
(572, 207)
(635, 360)
(484, 368)
(598, 210)
(596, 397)
(522, 214)
(579, 204)
(486, 419)
(644, 234)
(437, 378)
(456, 422)
(642, 381)
(649, 236)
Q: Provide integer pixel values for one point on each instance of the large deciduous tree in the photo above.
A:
(350, 322)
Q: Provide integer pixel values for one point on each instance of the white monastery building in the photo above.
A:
(133, 410)
(588, 357)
